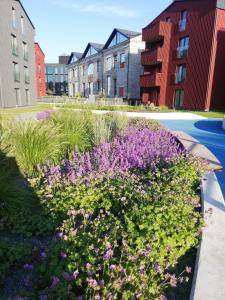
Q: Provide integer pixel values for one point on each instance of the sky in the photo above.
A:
(65, 26)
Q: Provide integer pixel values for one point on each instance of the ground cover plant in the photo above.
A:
(122, 210)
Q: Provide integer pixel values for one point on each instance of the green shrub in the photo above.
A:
(144, 123)
(33, 143)
(75, 129)
(123, 234)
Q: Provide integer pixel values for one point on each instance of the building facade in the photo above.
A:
(56, 77)
(17, 56)
(40, 71)
(184, 60)
(112, 68)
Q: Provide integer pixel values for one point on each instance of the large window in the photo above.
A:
(183, 47)
(179, 98)
(56, 71)
(118, 38)
(122, 60)
(26, 75)
(22, 25)
(49, 70)
(181, 73)
(27, 92)
(25, 51)
(16, 72)
(14, 17)
(109, 63)
(91, 51)
(183, 20)
(91, 69)
(49, 78)
(61, 70)
(14, 45)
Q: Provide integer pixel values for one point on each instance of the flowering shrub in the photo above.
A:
(44, 115)
(123, 234)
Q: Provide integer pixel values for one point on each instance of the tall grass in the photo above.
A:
(33, 143)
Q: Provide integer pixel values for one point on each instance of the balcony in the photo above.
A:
(157, 31)
(151, 57)
(150, 80)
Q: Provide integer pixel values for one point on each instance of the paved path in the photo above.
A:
(209, 133)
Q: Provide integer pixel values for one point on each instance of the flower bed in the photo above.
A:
(125, 214)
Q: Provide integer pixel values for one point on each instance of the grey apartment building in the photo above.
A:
(112, 68)
(17, 56)
(56, 76)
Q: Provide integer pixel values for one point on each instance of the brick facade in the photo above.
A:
(40, 71)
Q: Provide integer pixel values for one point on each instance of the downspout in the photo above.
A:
(128, 68)
(211, 59)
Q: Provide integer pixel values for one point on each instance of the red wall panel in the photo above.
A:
(40, 71)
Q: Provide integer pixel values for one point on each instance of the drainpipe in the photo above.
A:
(210, 68)
(128, 68)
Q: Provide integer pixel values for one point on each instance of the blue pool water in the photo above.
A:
(209, 133)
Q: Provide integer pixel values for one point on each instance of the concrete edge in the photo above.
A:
(210, 261)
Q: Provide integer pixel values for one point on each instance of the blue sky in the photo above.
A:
(63, 26)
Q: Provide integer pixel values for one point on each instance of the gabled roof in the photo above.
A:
(127, 33)
(25, 12)
(36, 43)
(97, 47)
(76, 54)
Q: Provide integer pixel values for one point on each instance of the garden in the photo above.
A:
(96, 207)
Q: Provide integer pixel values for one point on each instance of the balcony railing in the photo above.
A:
(150, 80)
(156, 31)
(151, 57)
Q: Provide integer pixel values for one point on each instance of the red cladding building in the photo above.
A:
(40, 71)
(184, 60)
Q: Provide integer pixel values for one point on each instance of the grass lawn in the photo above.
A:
(20, 110)
(211, 114)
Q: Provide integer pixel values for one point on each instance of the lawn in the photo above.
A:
(211, 114)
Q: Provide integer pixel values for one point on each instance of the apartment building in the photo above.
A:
(112, 68)
(40, 71)
(56, 76)
(17, 56)
(184, 60)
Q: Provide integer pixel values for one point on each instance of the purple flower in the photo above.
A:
(66, 276)
(43, 297)
(138, 296)
(92, 283)
(112, 267)
(173, 281)
(162, 297)
(28, 267)
(97, 297)
(188, 270)
(63, 255)
(142, 270)
(55, 282)
(75, 274)
(43, 254)
(88, 266)
(108, 255)
(99, 267)
(101, 283)
(157, 268)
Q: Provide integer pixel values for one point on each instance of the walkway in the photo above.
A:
(209, 133)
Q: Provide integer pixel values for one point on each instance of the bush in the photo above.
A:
(124, 233)
(144, 123)
(33, 143)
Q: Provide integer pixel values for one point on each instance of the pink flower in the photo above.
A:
(188, 270)
(55, 282)
(75, 274)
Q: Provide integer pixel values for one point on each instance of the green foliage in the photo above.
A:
(12, 255)
(144, 123)
(33, 143)
(75, 128)
(128, 229)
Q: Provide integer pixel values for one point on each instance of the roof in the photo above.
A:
(76, 54)
(25, 12)
(129, 34)
(97, 47)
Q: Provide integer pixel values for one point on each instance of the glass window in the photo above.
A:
(14, 17)
(118, 38)
(61, 70)
(16, 72)
(181, 73)
(183, 47)
(56, 71)
(183, 20)
(14, 42)
(179, 98)
(26, 75)
(122, 58)
(98, 85)
(91, 51)
(22, 25)
(114, 61)
(25, 51)
(49, 78)
(49, 70)
(91, 69)
(76, 72)
(83, 70)
(61, 78)
(168, 20)
(18, 97)
(27, 92)
(109, 63)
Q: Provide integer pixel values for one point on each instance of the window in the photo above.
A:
(109, 63)
(114, 61)
(56, 71)
(122, 60)
(18, 97)
(115, 87)
(13, 17)
(168, 20)
(83, 70)
(76, 72)
(121, 92)
(84, 89)
(91, 51)
(91, 69)
(16, 72)
(90, 88)
(98, 66)
(61, 78)
(61, 70)
(22, 25)
(108, 86)
(49, 78)
(183, 47)
(98, 85)
(25, 51)
(27, 93)
(181, 73)
(183, 20)
(179, 98)
(26, 75)
(14, 45)
(49, 70)
(118, 38)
